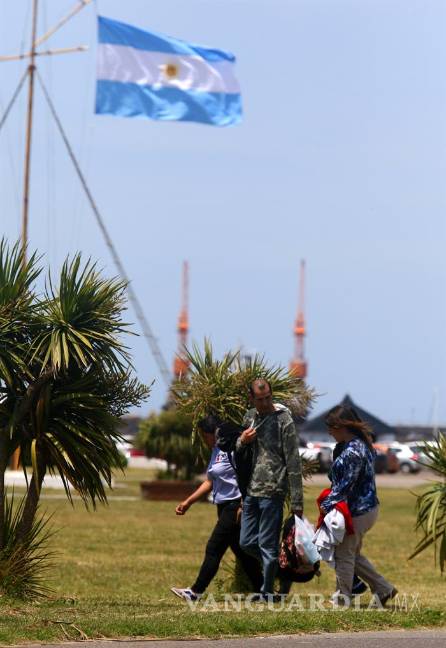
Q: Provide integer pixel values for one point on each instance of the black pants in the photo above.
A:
(226, 534)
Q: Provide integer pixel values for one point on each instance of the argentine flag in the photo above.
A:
(144, 74)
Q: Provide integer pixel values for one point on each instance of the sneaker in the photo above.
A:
(383, 598)
(187, 594)
(340, 601)
(257, 598)
(359, 587)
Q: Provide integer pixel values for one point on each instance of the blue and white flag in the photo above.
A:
(150, 75)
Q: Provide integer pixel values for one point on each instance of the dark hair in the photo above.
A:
(209, 424)
(261, 382)
(342, 416)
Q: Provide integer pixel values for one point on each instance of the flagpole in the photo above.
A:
(61, 23)
(29, 125)
(63, 50)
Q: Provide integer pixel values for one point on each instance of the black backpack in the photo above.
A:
(242, 459)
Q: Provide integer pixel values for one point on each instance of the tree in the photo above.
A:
(167, 435)
(431, 505)
(221, 387)
(65, 380)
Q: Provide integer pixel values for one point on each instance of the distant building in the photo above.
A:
(315, 429)
(417, 432)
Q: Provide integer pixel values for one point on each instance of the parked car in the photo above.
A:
(409, 460)
(417, 447)
(124, 448)
(386, 460)
(127, 448)
(320, 451)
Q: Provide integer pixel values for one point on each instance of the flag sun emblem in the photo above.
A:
(170, 70)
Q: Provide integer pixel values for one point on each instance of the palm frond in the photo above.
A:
(431, 505)
(17, 277)
(24, 566)
(80, 430)
(82, 320)
(221, 387)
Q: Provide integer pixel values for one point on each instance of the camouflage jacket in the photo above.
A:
(276, 461)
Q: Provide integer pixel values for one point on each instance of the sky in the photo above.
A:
(340, 160)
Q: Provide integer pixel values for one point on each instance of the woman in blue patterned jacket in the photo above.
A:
(353, 481)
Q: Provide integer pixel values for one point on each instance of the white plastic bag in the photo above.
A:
(303, 540)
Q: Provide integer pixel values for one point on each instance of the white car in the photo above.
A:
(124, 448)
(409, 460)
(418, 447)
(322, 452)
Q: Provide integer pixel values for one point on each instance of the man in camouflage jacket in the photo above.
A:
(276, 470)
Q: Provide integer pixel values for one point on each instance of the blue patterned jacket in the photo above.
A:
(352, 477)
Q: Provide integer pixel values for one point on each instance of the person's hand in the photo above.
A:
(324, 508)
(299, 513)
(182, 508)
(248, 436)
(239, 514)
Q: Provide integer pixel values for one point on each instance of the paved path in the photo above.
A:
(397, 639)
(397, 480)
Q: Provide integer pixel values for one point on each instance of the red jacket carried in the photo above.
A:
(342, 507)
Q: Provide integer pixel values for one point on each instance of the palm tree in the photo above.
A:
(65, 379)
(16, 315)
(221, 387)
(431, 505)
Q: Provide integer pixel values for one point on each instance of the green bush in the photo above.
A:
(167, 435)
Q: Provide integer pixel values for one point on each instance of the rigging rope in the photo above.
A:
(51, 177)
(14, 97)
(147, 331)
(15, 187)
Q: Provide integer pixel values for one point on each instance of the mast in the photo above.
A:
(29, 125)
(15, 459)
(31, 72)
(181, 363)
(298, 365)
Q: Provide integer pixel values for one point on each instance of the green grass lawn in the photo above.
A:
(116, 565)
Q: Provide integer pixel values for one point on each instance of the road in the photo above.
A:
(396, 639)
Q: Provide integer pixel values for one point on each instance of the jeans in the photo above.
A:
(226, 534)
(260, 534)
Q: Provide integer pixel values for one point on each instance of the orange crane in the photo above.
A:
(181, 363)
(298, 365)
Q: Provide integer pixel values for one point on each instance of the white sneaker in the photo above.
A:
(340, 601)
(187, 594)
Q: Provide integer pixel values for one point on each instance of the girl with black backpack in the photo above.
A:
(222, 481)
